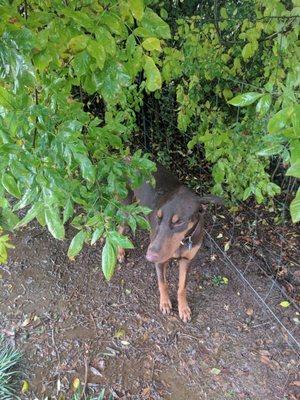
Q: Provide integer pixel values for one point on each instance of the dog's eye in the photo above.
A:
(178, 223)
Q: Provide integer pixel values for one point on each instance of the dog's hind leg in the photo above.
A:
(165, 302)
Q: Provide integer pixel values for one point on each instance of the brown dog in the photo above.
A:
(176, 231)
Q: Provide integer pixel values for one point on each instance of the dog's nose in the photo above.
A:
(152, 256)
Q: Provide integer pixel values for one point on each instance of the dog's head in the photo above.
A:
(172, 222)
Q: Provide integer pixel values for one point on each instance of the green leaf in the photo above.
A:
(81, 63)
(53, 222)
(114, 23)
(120, 240)
(76, 244)
(153, 77)
(272, 149)
(96, 235)
(68, 211)
(78, 43)
(249, 50)
(294, 170)
(279, 120)
(31, 214)
(263, 105)
(109, 259)
(295, 208)
(296, 120)
(285, 303)
(151, 44)
(97, 51)
(10, 185)
(7, 100)
(137, 8)
(245, 99)
(153, 25)
(86, 166)
(104, 37)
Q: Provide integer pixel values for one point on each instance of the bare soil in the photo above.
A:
(70, 324)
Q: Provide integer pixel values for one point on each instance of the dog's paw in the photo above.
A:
(185, 313)
(165, 306)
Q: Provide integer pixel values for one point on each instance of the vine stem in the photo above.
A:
(26, 9)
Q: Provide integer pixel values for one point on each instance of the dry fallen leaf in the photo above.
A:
(265, 360)
(226, 246)
(249, 311)
(95, 371)
(76, 384)
(215, 371)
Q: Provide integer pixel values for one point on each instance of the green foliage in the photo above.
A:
(4, 245)
(9, 359)
(57, 157)
(73, 78)
(247, 57)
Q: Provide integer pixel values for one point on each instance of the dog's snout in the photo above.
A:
(152, 256)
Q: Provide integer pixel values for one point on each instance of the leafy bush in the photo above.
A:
(73, 79)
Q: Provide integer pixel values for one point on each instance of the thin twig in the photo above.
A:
(86, 370)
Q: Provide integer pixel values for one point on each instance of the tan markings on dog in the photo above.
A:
(183, 308)
(175, 218)
(173, 242)
(159, 214)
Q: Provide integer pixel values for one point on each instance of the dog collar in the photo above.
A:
(188, 240)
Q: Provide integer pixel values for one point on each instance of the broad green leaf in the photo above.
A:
(31, 214)
(279, 120)
(249, 50)
(153, 25)
(296, 120)
(86, 166)
(53, 222)
(272, 149)
(109, 259)
(7, 100)
(294, 170)
(68, 211)
(114, 23)
(96, 235)
(295, 208)
(97, 51)
(137, 8)
(104, 37)
(120, 240)
(153, 77)
(151, 44)
(76, 244)
(264, 103)
(78, 43)
(81, 63)
(28, 197)
(10, 185)
(245, 99)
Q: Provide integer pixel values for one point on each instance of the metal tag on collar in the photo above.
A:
(190, 243)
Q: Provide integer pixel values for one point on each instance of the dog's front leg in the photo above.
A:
(164, 303)
(183, 307)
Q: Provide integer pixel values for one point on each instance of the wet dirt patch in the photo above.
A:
(69, 321)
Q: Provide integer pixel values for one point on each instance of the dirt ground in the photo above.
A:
(71, 324)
